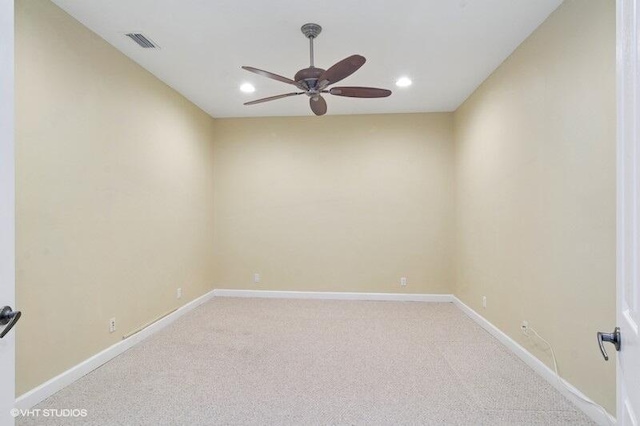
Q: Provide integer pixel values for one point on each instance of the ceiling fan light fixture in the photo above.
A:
(404, 82)
(247, 88)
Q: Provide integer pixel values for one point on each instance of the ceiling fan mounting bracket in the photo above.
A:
(311, 30)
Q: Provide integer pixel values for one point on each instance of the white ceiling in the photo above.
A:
(447, 47)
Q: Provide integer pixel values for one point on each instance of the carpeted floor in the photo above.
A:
(303, 362)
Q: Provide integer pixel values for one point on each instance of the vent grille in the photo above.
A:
(142, 41)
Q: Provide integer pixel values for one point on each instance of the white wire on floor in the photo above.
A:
(526, 330)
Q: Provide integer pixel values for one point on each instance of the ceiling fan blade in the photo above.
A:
(273, 98)
(270, 75)
(360, 92)
(341, 70)
(318, 105)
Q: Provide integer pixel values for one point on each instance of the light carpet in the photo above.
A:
(315, 362)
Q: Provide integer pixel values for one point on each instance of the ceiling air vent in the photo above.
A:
(142, 41)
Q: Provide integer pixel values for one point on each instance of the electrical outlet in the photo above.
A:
(112, 325)
(524, 326)
(484, 301)
(179, 293)
(403, 281)
(256, 278)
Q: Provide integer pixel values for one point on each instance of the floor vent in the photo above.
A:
(142, 41)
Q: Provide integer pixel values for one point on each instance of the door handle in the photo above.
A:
(8, 318)
(611, 338)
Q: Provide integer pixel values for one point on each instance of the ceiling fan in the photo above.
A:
(315, 81)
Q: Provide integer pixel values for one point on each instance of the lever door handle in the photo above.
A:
(8, 318)
(611, 338)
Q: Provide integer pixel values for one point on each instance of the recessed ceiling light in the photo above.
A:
(403, 82)
(247, 88)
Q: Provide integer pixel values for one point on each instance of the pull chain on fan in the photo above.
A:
(315, 81)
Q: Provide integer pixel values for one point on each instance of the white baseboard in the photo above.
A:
(45, 390)
(48, 388)
(328, 295)
(538, 366)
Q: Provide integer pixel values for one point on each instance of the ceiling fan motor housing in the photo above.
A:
(309, 76)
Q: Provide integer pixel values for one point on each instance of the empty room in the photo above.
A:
(237, 212)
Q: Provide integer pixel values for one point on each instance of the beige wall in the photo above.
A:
(114, 198)
(121, 199)
(535, 157)
(338, 203)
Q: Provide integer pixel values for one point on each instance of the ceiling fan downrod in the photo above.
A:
(311, 31)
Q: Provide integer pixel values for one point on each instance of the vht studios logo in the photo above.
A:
(50, 412)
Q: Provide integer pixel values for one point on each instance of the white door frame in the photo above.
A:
(7, 206)
(628, 211)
